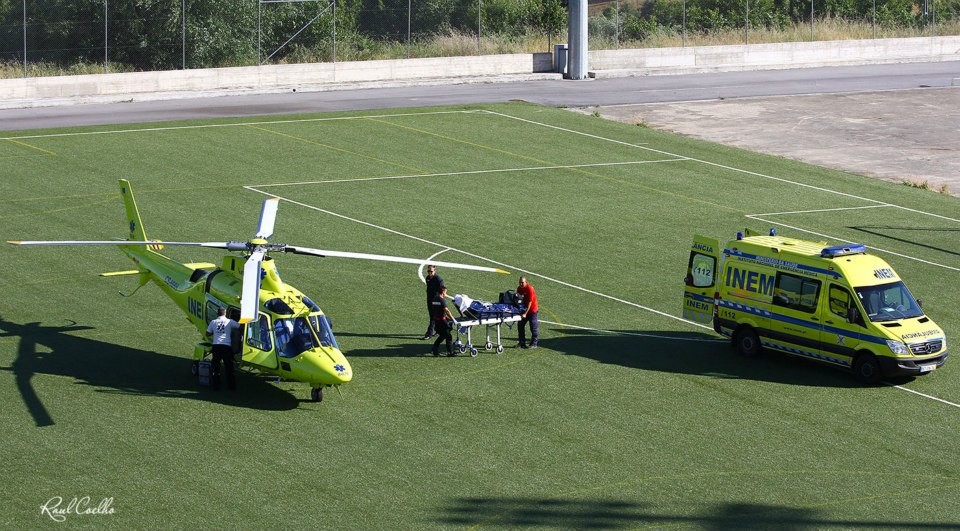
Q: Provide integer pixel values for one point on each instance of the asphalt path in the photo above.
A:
(898, 121)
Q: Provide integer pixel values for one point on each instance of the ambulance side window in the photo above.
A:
(839, 301)
(700, 270)
(796, 293)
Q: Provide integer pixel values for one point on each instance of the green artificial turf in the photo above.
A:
(627, 417)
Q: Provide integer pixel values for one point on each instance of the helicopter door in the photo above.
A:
(258, 344)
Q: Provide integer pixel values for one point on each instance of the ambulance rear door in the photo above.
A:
(700, 281)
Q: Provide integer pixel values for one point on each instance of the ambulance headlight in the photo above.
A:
(897, 347)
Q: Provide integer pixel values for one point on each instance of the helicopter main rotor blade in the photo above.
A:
(268, 215)
(215, 245)
(385, 258)
(250, 297)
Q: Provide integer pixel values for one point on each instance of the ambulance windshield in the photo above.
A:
(888, 302)
(321, 325)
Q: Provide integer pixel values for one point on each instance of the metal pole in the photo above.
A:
(479, 8)
(618, 24)
(259, 33)
(746, 25)
(24, 38)
(409, 9)
(683, 31)
(183, 34)
(334, 2)
(105, 45)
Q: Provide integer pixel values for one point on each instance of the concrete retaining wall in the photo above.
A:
(31, 92)
(772, 56)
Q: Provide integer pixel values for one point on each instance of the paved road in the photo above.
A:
(891, 121)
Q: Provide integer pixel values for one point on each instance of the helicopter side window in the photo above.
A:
(211, 308)
(258, 334)
(293, 337)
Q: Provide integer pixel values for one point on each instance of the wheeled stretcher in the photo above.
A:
(490, 315)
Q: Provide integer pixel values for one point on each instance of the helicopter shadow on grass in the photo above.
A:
(692, 353)
(411, 346)
(621, 514)
(117, 369)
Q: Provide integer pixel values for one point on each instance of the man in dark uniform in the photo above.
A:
(434, 283)
(440, 315)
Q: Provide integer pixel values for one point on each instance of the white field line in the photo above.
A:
(456, 173)
(931, 397)
(820, 210)
(827, 236)
(731, 168)
(242, 124)
(478, 257)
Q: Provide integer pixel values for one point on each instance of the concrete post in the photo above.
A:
(577, 39)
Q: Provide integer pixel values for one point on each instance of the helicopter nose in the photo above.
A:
(326, 367)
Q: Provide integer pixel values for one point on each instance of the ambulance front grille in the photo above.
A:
(928, 347)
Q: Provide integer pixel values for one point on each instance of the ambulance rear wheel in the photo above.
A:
(866, 369)
(748, 344)
(316, 394)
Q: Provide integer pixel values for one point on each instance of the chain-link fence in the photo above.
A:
(56, 37)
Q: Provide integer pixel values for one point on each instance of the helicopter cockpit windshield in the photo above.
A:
(293, 337)
(321, 325)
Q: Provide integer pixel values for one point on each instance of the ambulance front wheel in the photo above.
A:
(316, 394)
(866, 369)
(748, 344)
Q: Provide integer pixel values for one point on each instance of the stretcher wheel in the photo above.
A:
(488, 346)
(473, 352)
(499, 349)
(462, 348)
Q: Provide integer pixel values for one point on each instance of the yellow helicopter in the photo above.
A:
(283, 332)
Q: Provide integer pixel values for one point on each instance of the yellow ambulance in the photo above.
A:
(833, 304)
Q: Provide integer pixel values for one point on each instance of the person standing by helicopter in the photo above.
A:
(221, 329)
(434, 284)
(440, 315)
(529, 297)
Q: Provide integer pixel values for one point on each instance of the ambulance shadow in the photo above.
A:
(877, 231)
(514, 513)
(692, 353)
(113, 368)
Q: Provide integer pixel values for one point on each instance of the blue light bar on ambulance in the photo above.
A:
(843, 250)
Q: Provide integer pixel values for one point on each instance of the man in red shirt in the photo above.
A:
(529, 295)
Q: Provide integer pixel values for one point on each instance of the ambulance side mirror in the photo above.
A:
(853, 315)
(688, 280)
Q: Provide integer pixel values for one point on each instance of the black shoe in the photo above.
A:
(452, 354)
(436, 353)
(534, 345)
(522, 345)
(426, 336)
